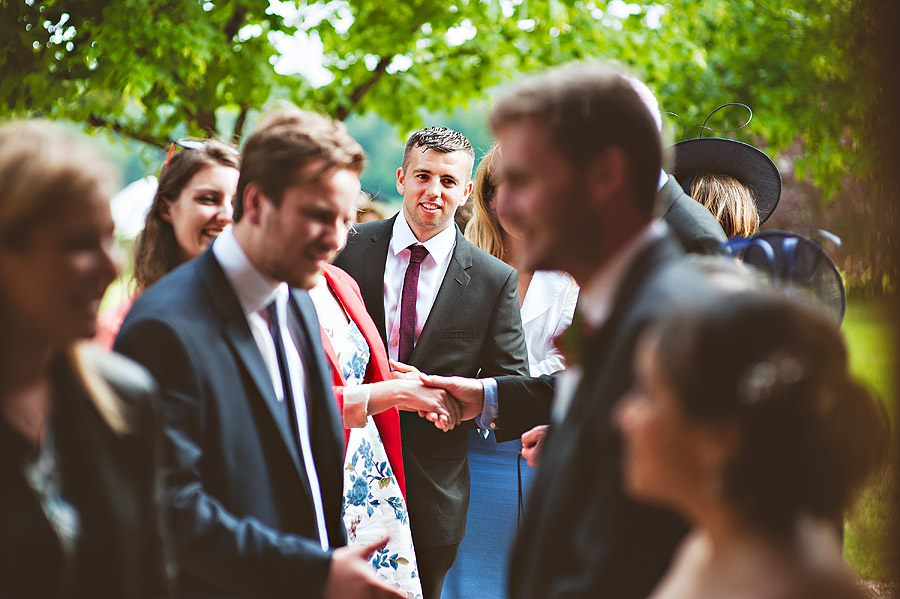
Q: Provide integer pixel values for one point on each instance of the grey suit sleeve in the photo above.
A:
(239, 554)
(504, 350)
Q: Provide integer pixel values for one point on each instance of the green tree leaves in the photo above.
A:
(147, 68)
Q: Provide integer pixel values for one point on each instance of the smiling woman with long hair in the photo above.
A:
(79, 513)
(192, 205)
(746, 421)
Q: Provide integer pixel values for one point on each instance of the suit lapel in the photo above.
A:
(618, 332)
(374, 259)
(451, 291)
(237, 332)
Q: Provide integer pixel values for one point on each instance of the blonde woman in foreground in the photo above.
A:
(78, 430)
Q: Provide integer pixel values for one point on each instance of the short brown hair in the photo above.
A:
(285, 143)
(439, 139)
(587, 108)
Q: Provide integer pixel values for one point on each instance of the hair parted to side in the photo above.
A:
(287, 141)
(729, 200)
(43, 166)
(439, 139)
(156, 251)
(588, 107)
(810, 435)
(483, 229)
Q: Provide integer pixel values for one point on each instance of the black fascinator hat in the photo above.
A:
(718, 156)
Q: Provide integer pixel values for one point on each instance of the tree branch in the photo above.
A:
(96, 121)
(240, 122)
(234, 23)
(360, 90)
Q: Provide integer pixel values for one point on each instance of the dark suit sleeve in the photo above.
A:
(708, 246)
(522, 403)
(239, 554)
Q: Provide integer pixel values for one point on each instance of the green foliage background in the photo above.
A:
(151, 69)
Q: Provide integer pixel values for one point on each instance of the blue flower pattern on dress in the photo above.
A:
(373, 504)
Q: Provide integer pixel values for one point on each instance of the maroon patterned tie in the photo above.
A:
(417, 253)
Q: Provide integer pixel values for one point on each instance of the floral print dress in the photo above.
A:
(373, 504)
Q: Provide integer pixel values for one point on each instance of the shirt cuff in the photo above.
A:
(356, 406)
(488, 417)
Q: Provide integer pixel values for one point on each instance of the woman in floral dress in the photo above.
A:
(368, 398)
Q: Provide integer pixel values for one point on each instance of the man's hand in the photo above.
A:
(351, 576)
(431, 403)
(468, 392)
(399, 370)
(532, 441)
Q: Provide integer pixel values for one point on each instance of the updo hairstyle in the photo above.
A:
(810, 435)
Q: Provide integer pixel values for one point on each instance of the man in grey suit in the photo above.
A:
(254, 441)
(445, 307)
(581, 164)
(695, 227)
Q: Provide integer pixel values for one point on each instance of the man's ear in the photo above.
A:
(607, 175)
(468, 192)
(400, 176)
(252, 202)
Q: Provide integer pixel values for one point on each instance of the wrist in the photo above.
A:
(356, 405)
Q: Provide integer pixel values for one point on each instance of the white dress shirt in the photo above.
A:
(431, 275)
(255, 291)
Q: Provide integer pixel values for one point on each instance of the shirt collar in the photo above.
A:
(663, 179)
(254, 289)
(596, 300)
(439, 246)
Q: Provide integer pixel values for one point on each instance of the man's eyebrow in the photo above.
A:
(430, 172)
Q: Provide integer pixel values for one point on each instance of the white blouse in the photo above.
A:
(546, 312)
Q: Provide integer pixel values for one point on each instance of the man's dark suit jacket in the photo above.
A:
(474, 329)
(111, 478)
(240, 505)
(695, 227)
(582, 536)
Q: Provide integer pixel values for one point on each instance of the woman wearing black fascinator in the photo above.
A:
(735, 181)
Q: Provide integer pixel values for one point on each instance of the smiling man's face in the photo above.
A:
(433, 184)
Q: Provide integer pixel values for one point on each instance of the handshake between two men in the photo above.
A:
(446, 401)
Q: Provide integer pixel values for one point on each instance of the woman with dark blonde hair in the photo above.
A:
(547, 300)
(736, 182)
(79, 437)
(746, 420)
(729, 200)
(192, 205)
